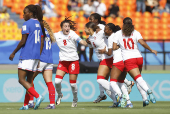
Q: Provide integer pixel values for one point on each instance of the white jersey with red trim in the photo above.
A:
(101, 26)
(98, 42)
(128, 45)
(67, 45)
(117, 55)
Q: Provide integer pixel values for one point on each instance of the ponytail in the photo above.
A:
(113, 27)
(46, 25)
(128, 28)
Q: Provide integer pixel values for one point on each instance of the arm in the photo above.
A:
(42, 44)
(21, 43)
(82, 42)
(90, 53)
(145, 45)
(104, 51)
(115, 46)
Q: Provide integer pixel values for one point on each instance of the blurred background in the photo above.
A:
(150, 17)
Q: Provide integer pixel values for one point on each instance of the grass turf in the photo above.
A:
(88, 108)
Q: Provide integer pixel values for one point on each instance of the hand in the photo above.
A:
(155, 52)
(88, 41)
(101, 51)
(11, 56)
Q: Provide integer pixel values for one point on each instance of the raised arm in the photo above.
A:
(145, 45)
(21, 43)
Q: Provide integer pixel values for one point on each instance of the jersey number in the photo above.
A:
(37, 36)
(48, 44)
(65, 42)
(94, 45)
(126, 43)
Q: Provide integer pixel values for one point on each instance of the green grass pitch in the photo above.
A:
(88, 108)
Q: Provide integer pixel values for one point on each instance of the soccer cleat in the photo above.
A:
(129, 87)
(50, 107)
(74, 103)
(59, 99)
(113, 106)
(151, 97)
(118, 100)
(38, 102)
(129, 105)
(99, 98)
(31, 105)
(24, 107)
(123, 101)
(145, 103)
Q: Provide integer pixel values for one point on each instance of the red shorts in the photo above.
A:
(133, 63)
(120, 65)
(107, 62)
(71, 67)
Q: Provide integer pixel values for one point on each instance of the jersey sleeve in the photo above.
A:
(115, 38)
(25, 28)
(138, 36)
(110, 42)
(76, 37)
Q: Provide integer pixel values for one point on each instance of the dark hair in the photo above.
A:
(72, 23)
(92, 25)
(113, 27)
(37, 13)
(128, 28)
(98, 17)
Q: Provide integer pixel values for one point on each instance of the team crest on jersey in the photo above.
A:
(69, 37)
(94, 38)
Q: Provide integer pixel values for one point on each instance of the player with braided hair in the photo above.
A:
(67, 41)
(46, 66)
(32, 44)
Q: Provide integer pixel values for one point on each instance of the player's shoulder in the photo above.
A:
(72, 32)
(136, 33)
(118, 32)
(101, 26)
(57, 34)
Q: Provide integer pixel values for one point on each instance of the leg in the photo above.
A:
(58, 79)
(47, 75)
(73, 79)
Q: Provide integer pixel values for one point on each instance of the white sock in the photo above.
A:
(116, 88)
(142, 92)
(142, 84)
(58, 85)
(101, 90)
(111, 95)
(124, 91)
(51, 104)
(127, 82)
(74, 90)
(31, 101)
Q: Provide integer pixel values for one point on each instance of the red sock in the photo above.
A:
(32, 91)
(31, 96)
(51, 90)
(27, 98)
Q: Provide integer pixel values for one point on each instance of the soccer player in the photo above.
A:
(69, 61)
(117, 73)
(127, 39)
(31, 43)
(46, 66)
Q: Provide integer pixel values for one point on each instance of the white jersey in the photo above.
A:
(117, 55)
(128, 45)
(67, 45)
(101, 26)
(98, 42)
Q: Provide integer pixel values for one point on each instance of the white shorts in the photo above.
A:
(45, 66)
(30, 64)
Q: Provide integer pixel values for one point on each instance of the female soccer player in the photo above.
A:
(117, 73)
(68, 63)
(127, 39)
(46, 66)
(31, 43)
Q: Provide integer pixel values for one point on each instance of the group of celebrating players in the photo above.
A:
(116, 49)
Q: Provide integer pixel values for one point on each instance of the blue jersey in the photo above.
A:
(31, 49)
(46, 55)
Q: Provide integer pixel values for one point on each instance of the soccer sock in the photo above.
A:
(127, 82)
(101, 88)
(111, 95)
(101, 80)
(31, 97)
(74, 88)
(58, 80)
(32, 91)
(124, 90)
(141, 82)
(51, 91)
(27, 98)
(115, 87)
(142, 92)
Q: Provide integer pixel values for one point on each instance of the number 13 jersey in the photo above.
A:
(128, 45)
(67, 45)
